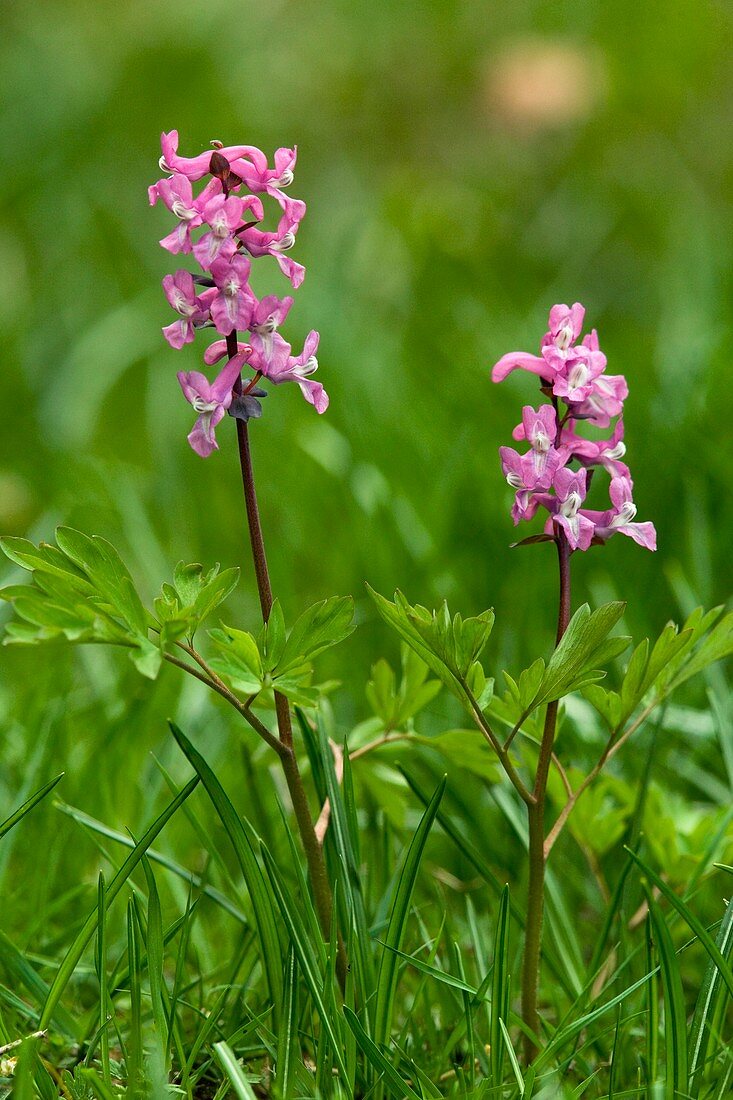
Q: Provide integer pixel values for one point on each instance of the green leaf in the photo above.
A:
(238, 659)
(583, 646)
(273, 638)
(44, 558)
(323, 625)
(228, 1062)
(394, 704)
(81, 591)
(106, 571)
(449, 647)
(194, 594)
(717, 645)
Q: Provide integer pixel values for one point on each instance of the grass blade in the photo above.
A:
(262, 899)
(500, 993)
(693, 922)
(675, 1019)
(388, 963)
(387, 1073)
(287, 1039)
(709, 1005)
(28, 805)
(228, 1062)
(88, 929)
(306, 957)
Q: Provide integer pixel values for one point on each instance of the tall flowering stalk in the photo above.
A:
(219, 230)
(555, 475)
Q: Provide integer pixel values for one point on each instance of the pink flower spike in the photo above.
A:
(210, 401)
(233, 305)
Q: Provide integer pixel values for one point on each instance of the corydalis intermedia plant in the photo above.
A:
(224, 217)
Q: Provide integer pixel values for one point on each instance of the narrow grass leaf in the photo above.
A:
(512, 1057)
(307, 957)
(388, 964)
(154, 943)
(287, 1038)
(693, 922)
(27, 806)
(228, 1062)
(387, 1073)
(155, 857)
(500, 993)
(675, 1018)
(709, 1004)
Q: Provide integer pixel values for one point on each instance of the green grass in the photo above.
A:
(155, 918)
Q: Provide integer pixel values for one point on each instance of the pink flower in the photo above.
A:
(528, 473)
(177, 194)
(193, 308)
(194, 168)
(269, 314)
(258, 176)
(259, 243)
(272, 358)
(522, 360)
(564, 508)
(218, 350)
(603, 452)
(576, 373)
(538, 427)
(605, 400)
(234, 303)
(223, 213)
(619, 518)
(210, 400)
(565, 324)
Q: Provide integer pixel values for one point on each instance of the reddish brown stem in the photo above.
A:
(536, 823)
(313, 851)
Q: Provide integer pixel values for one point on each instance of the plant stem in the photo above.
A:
(313, 851)
(536, 823)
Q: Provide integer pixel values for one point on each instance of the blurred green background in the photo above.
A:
(465, 165)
